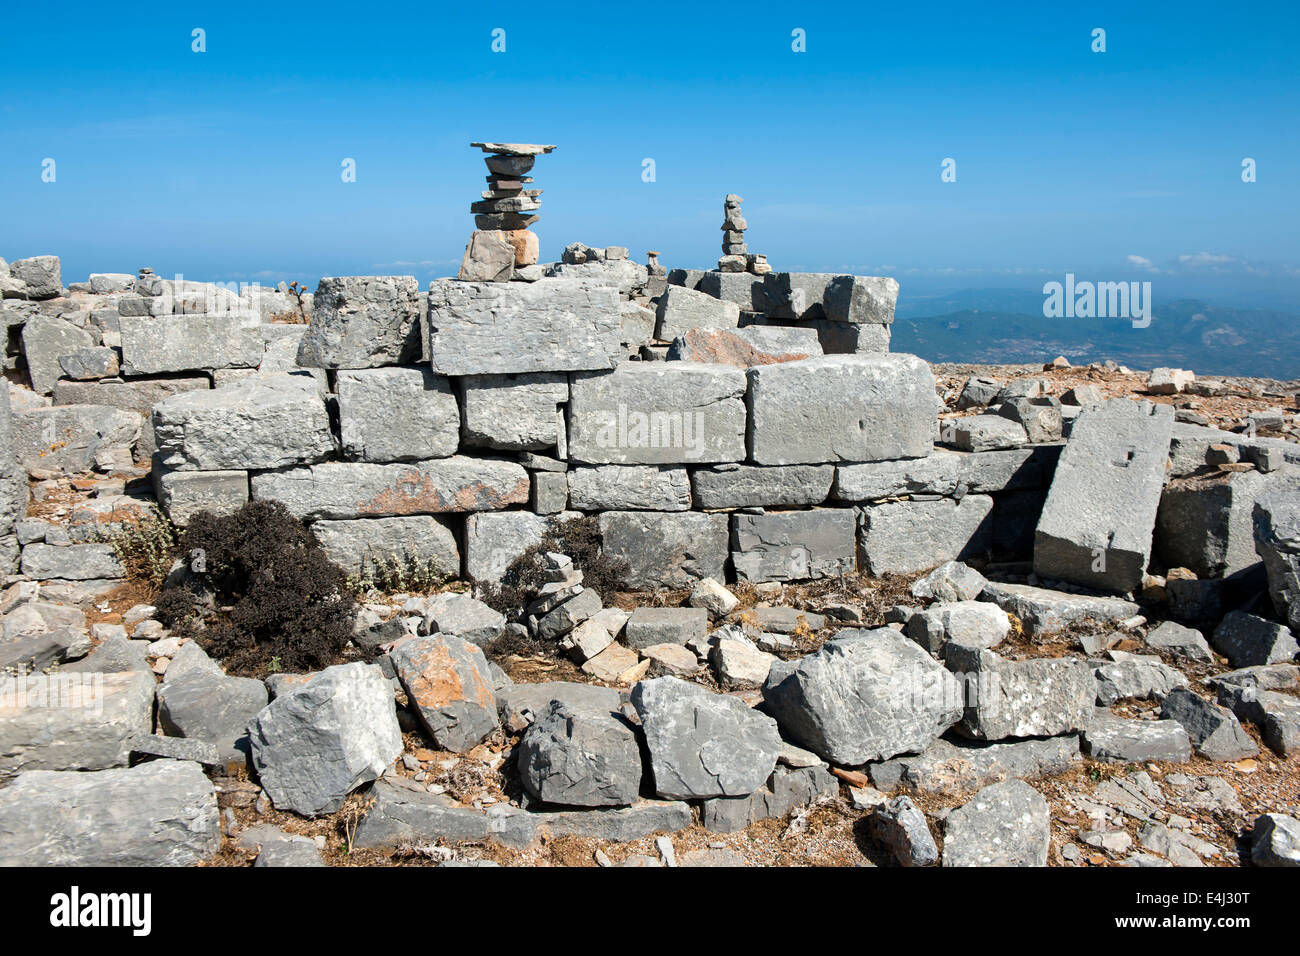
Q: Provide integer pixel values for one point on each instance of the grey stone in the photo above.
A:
(950, 766)
(489, 256)
(1043, 611)
(714, 598)
(794, 545)
(666, 549)
(564, 618)
(184, 343)
(183, 494)
(898, 537)
(900, 828)
(841, 408)
(41, 276)
(978, 392)
(1134, 677)
(785, 791)
(845, 338)
(1184, 643)
(397, 414)
(1042, 423)
(358, 490)
(160, 814)
(459, 615)
(137, 395)
(1277, 541)
(658, 413)
(948, 473)
(1247, 640)
(355, 545)
(1040, 697)
(972, 623)
(1005, 824)
(44, 339)
(1190, 443)
(866, 695)
(39, 633)
(515, 412)
(202, 703)
(480, 328)
(1215, 731)
(1113, 739)
(178, 748)
(1275, 840)
(703, 744)
(637, 325)
(786, 620)
(450, 689)
(114, 655)
(838, 298)
(665, 625)
(75, 562)
(267, 422)
(362, 322)
(950, 581)
(320, 740)
(73, 722)
(294, 852)
(493, 540)
(740, 666)
(71, 438)
(580, 758)
(1276, 715)
(744, 347)
(1205, 521)
(747, 291)
(89, 363)
(983, 433)
(682, 310)
(550, 492)
(1096, 526)
(521, 704)
(755, 486)
(629, 488)
(628, 278)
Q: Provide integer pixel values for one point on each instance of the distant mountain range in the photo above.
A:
(1004, 326)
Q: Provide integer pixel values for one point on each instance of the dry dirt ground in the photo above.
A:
(828, 834)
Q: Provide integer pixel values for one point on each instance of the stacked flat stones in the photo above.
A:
(502, 247)
(736, 256)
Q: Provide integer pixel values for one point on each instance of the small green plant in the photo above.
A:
(274, 666)
(146, 548)
(394, 574)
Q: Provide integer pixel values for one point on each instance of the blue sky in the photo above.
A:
(226, 164)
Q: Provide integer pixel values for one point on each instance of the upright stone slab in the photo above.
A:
(44, 339)
(664, 549)
(899, 537)
(794, 545)
(515, 412)
(1096, 526)
(1276, 518)
(187, 343)
(555, 325)
(397, 414)
(658, 413)
(1204, 522)
(363, 322)
(361, 490)
(841, 408)
(266, 422)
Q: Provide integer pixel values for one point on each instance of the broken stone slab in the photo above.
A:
(367, 543)
(1097, 523)
(519, 705)
(747, 291)
(785, 791)
(1042, 423)
(1042, 611)
(515, 412)
(362, 322)
(1113, 739)
(794, 545)
(983, 433)
(849, 408)
(665, 625)
(959, 764)
(944, 472)
(41, 276)
(397, 414)
(73, 722)
(72, 438)
(403, 814)
(950, 582)
(845, 338)
(1184, 643)
(1134, 677)
(464, 617)
(617, 664)
(44, 340)
(972, 623)
(657, 413)
(183, 494)
(136, 395)
(39, 633)
(186, 343)
(489, 257)
(1247, 640)
(756, 486)
(320, 740)
(1275, 840)
(1205, 521)
(666, 549)
(162, 813)
(358, 489)
(1190, 444)
(178, 748)
(703, 744)
(683, 310)
(865, 695)
(628, 278)
(562, 619)
(480, 328)
(580, 758)
(714, 598)
(1276, 715)
(1215, 731)
(1005, 824)
(629, 488)
(87, 364)
(1040, 697)
(739, 665)
(1276, 518)
(73, 562)
(266, 422)
(745, 347)
(202, 703)
(899, 537)
(449, 687)
(900, 828)
(784, 620)
(113, 655)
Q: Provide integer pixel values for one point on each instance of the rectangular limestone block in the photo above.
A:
(363, 542)
(554, 325)
(187, 343)
(666, 550)
(629, 488)
(682, 310)
(183, 494)
(745, 347)
(656, 413)
(135, 395)
(942, 472)
(845, 338)
(493, 539)
(745, 289)
(362, 322)
(397, 414)
(899, 537)
(1096, 526)
(515, 412)
(263, 422)
(758, 486)
(841, 408)
(550, 494)
(794, 545)
(363, 489)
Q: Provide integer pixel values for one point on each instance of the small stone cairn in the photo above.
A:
(736, 256)
(502, 247)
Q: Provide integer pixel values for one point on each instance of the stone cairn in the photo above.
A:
(502, 247)
(736, 256)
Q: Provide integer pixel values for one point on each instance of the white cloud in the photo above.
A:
(1141, 262)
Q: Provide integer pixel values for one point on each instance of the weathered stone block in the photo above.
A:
(72, 562)
(41, 275)
(744, 347)
(649, 626)
(942, 472)
(757, 486)
(664, 549)
(515, 412)
(1041, 697)
(135, 395)
(493, 540)
(898, 537)
(447, 681)
(363, 542)
(744, 289)
(629, 488)
(682, 310)
(362, 322)
(72, 438)
(183, 494)
(44, 339)
(860, 300)
(1204, 523)
(186, 343)
(397, 414)
(794, 545)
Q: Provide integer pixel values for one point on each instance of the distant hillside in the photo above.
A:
(1210, 340)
